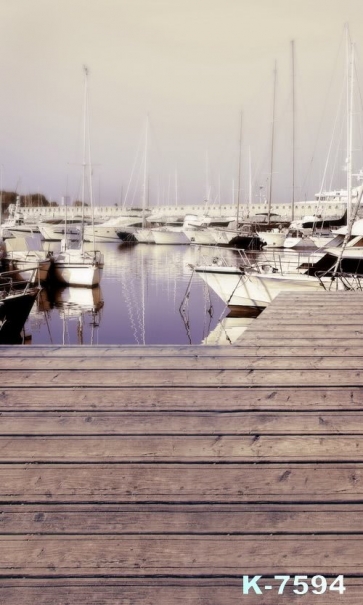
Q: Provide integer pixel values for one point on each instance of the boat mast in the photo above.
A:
(176, 187)
(272, 145)
(239, 170)
(249, 182)
(350, 78)
(144, 196)
(207, 183)
(84, 162)
(1, 194)
(206, 177)
(350, 218)
(90, 175)
(293, 128)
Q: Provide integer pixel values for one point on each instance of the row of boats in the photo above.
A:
(255, 280)
(26, 261)
(265, 229)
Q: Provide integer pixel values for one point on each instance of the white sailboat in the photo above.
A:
(77, 266)
(273, 238)
(108, 230)
(56, 233)
(169, 235)
(25, 255)
(16, 224)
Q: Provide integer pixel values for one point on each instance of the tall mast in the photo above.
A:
(207, 187)
(219, 193)
(1, 193)
(144, 196)
(239, 170)
(293, 128)
(176, 187)
(350, 87)
(84, 162)
(272, 145)
(249, 181)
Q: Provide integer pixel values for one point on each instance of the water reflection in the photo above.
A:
(231, 328)
(69, 315)
(141, 301)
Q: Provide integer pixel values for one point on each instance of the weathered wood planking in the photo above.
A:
(112, 351)
(245, 362)
(216, 448)
(181, 483)
(181, 423)
(179, 378)
(331, 347)
(154, 591)
(256, 339)
(109, 519)
(182, 398)
(179, 556)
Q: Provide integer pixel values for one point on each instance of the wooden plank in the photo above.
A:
(99, 351)
(304, 309)
(255, 339)
(188, 519)
(308, 331)
(225, 448)
(163, 591)
(179, 378)
(182, 399)
(321, 294)
(283, 349)
(181, 483)
(179, 555)
(180, 423)
(245, 362)
(347, 346)
(231, 357)
(313, 318)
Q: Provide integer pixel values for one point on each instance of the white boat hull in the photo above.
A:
(223, 236)
(101, 234)
(56, 233)
(200, 236)
(144, 236)
(34, 273)
(258, 289)
(170, 237)
(77, 275)
(272, 240)
(76, 268)
(299, 243)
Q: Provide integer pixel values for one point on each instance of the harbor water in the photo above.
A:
(148, 296)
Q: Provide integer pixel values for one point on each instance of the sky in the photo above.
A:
(197, 76)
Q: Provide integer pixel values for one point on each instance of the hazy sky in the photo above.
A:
(192, 66)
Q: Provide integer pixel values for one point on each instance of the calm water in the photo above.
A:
(139, 302)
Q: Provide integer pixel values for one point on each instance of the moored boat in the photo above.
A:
(16, 301)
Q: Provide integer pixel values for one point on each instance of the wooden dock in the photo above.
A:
(162, 475)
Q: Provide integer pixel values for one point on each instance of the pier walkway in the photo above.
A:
(162, 475)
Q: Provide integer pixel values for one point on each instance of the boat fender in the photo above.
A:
(268, 269)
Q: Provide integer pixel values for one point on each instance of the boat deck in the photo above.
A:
(162, 475)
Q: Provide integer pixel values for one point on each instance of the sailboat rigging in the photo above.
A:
(77, 266)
